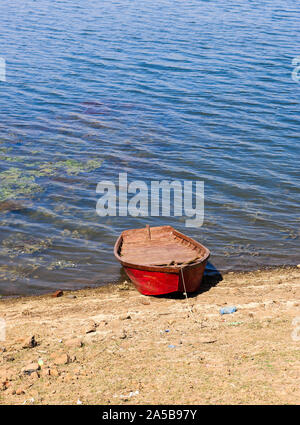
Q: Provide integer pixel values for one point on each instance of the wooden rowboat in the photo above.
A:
(161, 260)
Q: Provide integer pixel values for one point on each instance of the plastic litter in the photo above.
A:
(228, 310)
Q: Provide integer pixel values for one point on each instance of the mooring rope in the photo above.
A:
(187, 300)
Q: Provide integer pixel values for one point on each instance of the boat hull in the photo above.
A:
(161, 260)
(159, 283)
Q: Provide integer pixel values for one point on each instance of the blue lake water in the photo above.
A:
(188, 90)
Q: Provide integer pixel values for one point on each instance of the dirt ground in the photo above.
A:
(111, 345)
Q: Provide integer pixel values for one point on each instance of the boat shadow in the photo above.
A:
(212, 276)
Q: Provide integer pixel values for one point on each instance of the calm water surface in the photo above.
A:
(169, 89)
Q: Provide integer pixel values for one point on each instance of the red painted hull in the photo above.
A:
(158, 283)
(141, 252)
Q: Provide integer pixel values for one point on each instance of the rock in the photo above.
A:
(91, 327)
(8, 358)
(2, 349)
(71, 297)
(30, 368)
(122, 334)
(30, 343)
(57, 294)
(74, 342)
(45, 372)
(298, 265)
(61, 359)
(20, 391)
(125, 317)
(145, 301)
(53, 372)
(5, 384)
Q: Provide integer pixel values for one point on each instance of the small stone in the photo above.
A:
(91, 327)
(30, 368)
(125, 317)
(145, 301)
(71, 297)
(61, 359)
(30, 343)
(9, 358)
(20, 391)
(74, 342)
(53, 372)
(5, 384)
(45, 372)
(298, 265)
(122, 334)
(57, 294)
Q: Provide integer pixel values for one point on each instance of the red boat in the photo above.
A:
(161, 260)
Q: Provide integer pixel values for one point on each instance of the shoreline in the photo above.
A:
(210, 275)
(112, 345)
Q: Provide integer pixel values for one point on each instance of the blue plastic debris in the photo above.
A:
(171, 346)
(228, 310)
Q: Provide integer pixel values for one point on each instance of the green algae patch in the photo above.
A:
(61, 265)
(15, 182)
(69, 166)
(20, 243)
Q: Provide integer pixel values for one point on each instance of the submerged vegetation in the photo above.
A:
(16, 182)
(21, 178)
(21, 243)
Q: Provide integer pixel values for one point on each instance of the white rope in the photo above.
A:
(187, 300)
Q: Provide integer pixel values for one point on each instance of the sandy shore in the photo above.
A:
(111, 345)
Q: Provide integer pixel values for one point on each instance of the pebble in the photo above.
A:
(91, 327)
(8, 358)
(20, 391)
(61, 359)
(74, 342)
(30, 343)
(53, 372)
(125, 317)
(122, 334)
(30, 368)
